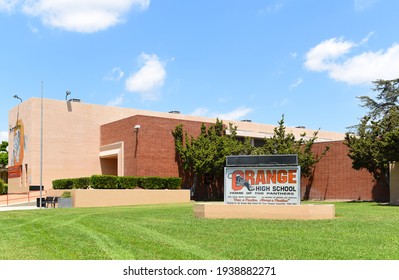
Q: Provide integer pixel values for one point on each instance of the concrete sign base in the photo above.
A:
(214, 210)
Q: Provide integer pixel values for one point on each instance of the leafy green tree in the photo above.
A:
(3, 154)
(203, 158)
(375, 141)
(285, 143)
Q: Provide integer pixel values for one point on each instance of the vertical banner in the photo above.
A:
(262, 185)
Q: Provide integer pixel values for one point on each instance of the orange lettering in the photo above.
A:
(260, 177)
(292, 176)
(271, 176)
(234, 180)
(282, 176)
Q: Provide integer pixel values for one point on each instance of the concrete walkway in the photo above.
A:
(17, 207)
(19, 201)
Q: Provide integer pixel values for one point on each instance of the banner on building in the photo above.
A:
(262, 185)
(14, 171)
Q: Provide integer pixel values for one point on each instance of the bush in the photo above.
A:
(66, 195)
(115, 182)
(104, 182)
(81, 183)
(173, 183)
(62, 184)
(1, 186)
(153, 183)
(5, 189)
(129, 182)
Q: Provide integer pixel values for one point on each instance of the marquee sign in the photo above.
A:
(271, 185)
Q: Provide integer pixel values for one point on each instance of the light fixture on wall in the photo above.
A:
(66, 95)
(136, 128)
(17, 97)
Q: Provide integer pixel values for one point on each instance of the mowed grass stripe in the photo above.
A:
(360, 231)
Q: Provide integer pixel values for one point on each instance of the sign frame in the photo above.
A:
(262, 185)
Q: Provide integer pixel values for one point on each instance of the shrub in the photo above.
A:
(5, 189)
(81, 183)
(115, 182)
(153, 183)
(62, 184)
(129, 182)
(173, 183)
(1, 186)
(66, 194)
(104, 182)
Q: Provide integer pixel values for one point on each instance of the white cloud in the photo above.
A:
(117, 101)
(333, 56)
(149, 78)
(115, 74)
(200, 112)
(324, 54)
(272, 8)
(237, 113)
(8, 5)
(3, 136)
(282, 102)
(33, 28)
(362, 5)
(296, 83)
(76, 15)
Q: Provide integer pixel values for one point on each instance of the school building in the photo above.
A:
(80, 140)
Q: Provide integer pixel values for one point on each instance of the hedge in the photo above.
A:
(3, 187)
(129, 182)
(115, 182)
(104, 182)
(173, 182)
(72, 183)
(153, 183)
(81, 183)
(62, 184)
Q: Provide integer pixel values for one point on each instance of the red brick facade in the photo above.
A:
(150, 152)
(334, 177)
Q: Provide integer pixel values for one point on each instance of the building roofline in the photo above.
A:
(244, 128)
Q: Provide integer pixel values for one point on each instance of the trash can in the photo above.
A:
(38, 202)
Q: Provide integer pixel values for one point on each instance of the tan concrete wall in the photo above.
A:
(71, 138)
(394, 183)
(297, 212)
(107, 198)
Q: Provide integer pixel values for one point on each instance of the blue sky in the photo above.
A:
(232, 59)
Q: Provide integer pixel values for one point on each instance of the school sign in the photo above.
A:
(270, 180)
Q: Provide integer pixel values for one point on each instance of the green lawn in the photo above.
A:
(170, 232)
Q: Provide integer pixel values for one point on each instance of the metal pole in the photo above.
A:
(41, 146)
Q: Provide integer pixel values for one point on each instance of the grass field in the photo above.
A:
(170, 232)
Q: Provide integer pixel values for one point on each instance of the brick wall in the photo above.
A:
(334, 177)
(151, 150)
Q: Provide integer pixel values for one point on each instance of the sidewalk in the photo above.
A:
(19, 201)
(18, 207)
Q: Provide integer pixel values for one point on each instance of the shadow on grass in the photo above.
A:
(374, 203)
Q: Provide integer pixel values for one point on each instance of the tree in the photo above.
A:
(285, 143)
(3, 154)
(204, 157)
(375, 141)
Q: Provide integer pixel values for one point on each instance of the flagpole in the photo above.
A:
(41, 146)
